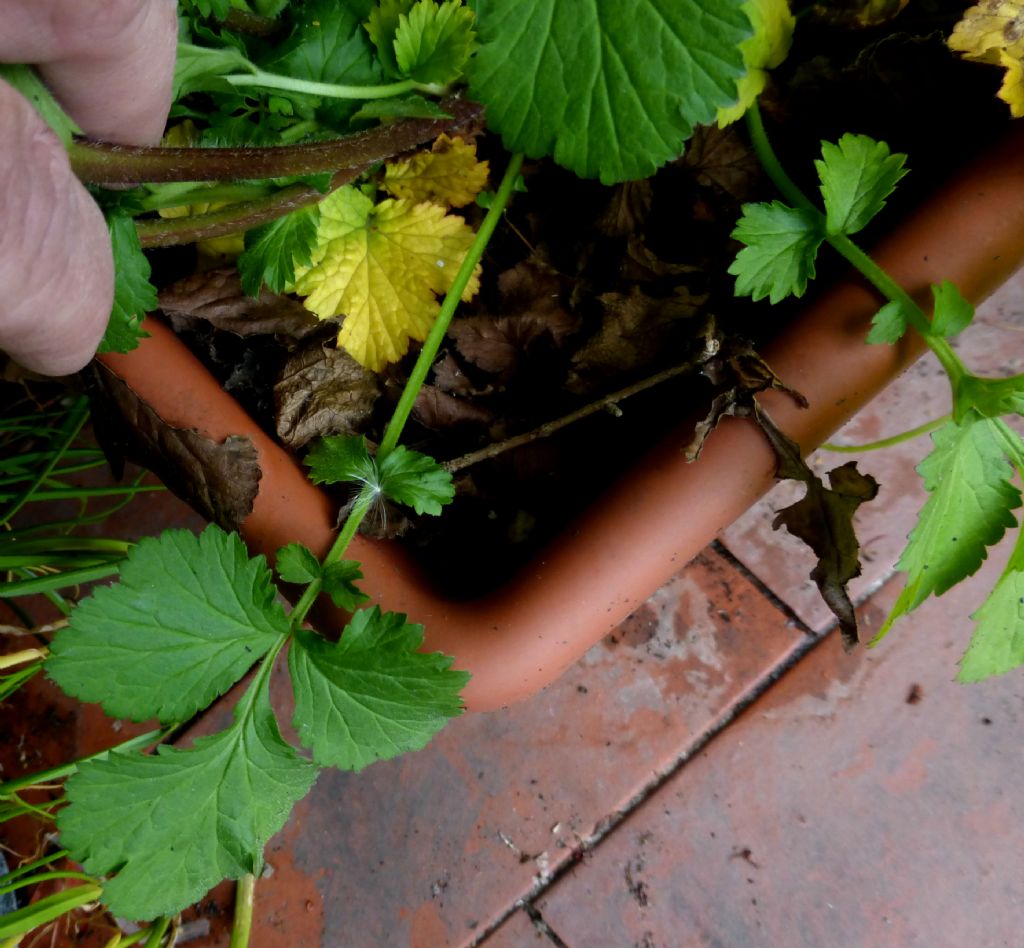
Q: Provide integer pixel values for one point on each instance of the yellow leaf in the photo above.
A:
(448, 174)
(380, 267)
(988, 28)
(767, 48)
(1012, 89)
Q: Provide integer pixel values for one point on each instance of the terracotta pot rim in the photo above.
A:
(520, 638)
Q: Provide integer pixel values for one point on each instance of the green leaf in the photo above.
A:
(297, 564)
(988, 397)
(200, 68)
(433, 43)
(611, 90)
(857, 175)
(952, 313)
(408, 477)
(997, 645)
(888, 325)
(273, 250)
(341, 458)
(410, 106)
(382, 25)
(210, 8)
(26, 80)
(173, 825)
(969, 508)
(372, 695)
(782, 243)
(339, 581)
(189, 616)
(329, 45)
(134, 295)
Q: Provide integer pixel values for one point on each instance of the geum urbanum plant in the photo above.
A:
(292, 106)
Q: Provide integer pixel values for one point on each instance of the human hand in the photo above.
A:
(110, 65)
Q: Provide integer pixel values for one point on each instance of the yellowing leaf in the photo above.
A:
(381, 266)
(773, 32)
(993, 32)
(1012, 89)
(989, 27)
(448, 174)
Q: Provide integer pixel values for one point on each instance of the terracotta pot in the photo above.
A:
(582, 586)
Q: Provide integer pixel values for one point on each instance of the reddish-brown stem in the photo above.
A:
(107, 164)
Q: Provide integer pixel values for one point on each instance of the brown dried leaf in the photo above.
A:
(636, 330)
(721, 159)
(220, 481)
(321, 392)
(216, 297)
(741, 373)
(627, 210)
(449, 377)
(823, 519)
(641, 264)
(439, 411)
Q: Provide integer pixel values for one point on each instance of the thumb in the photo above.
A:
(56, 265)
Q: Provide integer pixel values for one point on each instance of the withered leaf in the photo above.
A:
(859, 13)
(322, 391)
(740, 373)
(216, 297)
(635, 332)
(719, 158)
(439, 411)
(642, 264)
(532, 316)
(218, 480)
(823, 519)
(629, 205)
(449, 377)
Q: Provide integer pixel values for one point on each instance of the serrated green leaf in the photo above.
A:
(26, 80)
(134, 295)
(782, 244)
(433, 43)
(339, 582)
(188, 618)
(410, 106)
(952, 313)
(988, 397)
(997, 645)
(273, 250)
(888, 325)
(611, 90)
(200, 68)
(382, 25)
(296, 563)
(339, 458)
(968, 510)
(857, 175)
(410, 478)
(215, 8)
(329, 45)
(173, 825)
(372, 695)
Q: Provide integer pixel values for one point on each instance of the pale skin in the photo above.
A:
(110, 64)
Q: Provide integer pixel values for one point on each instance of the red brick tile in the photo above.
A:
(431, 849)
(866, 799)
(994, 344)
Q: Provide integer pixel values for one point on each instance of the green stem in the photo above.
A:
(46, 910)
(32, 866)
(46, 877)
(870, 270)
(156, 932)
(329, 90)
(368, 494)
(245, 900)
(75, 493)
(437, 332)
(66, 770)
(890, 441)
